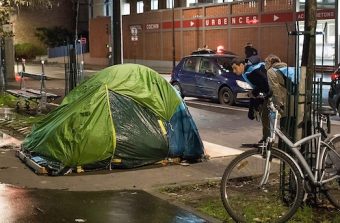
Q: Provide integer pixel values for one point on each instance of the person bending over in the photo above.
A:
(255, 74)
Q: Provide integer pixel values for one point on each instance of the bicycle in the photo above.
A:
(269, 185)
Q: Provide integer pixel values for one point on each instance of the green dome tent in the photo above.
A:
(125, 116)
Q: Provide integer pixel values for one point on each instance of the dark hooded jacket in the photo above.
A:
(256, 75)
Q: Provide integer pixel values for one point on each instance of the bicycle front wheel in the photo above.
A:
(332, 168)
(275, 201)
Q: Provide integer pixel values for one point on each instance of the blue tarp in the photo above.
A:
(184, 139)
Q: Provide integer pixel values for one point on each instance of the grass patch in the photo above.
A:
(205, 198)
(7, 100)
(19, 120)
(214, 208)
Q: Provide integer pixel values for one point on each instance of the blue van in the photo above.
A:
(210, 76)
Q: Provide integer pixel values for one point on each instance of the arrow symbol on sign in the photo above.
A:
(192, 23)
(276, 18)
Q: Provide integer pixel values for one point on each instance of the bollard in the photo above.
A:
(43, 100)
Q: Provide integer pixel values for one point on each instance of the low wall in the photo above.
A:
(87, 60)
(157, 65)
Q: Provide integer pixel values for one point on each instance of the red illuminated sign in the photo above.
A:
(216, 21)
(238, 20)
(242, 20)
(321, 14)
(168, 25)
(276, 17)
(192, 23)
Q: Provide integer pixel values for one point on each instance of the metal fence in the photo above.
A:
(62, 51)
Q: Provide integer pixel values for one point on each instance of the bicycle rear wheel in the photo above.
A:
(276, 201)
(331, 168)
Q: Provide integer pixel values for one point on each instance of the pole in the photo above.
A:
(173, 35)
(307, 71)
(337, 35)
(116, 32)
(76, 69)
(111, 33)
(2, 75)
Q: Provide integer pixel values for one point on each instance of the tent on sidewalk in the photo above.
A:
(124, 116)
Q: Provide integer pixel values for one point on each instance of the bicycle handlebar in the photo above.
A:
(271, 105)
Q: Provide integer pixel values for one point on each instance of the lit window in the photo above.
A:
(107, 7)
(169, 4)
(330, 33)
(140, 7)
(154, 4)
(126, 9)
(191, 2)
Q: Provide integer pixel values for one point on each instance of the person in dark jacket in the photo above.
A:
(255, 74)
(251, 54)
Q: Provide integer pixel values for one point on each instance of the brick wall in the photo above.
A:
(157, 45)
(278, 5)
(245, 7)
(192, 13)
(214, 11)
(28, 19)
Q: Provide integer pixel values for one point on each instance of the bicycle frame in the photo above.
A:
(315, 176)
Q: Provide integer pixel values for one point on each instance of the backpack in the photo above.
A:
(288, 74)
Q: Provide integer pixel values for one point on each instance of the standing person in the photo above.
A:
(256, 76)
(251, 54)
(278, 80)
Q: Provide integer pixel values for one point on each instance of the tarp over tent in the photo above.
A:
(125, 115)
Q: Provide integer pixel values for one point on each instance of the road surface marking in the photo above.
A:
(217, 106)
(214, 150)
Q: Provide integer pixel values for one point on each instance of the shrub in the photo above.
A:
(53, 36)
(28, 51)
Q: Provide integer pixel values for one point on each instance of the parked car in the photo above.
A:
(334, 91)
(209, 76)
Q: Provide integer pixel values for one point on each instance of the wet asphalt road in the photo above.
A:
(19, 205)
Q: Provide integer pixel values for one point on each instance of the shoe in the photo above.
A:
(251, 114)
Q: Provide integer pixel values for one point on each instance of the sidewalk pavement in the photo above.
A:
(13, 171)
(149, 178)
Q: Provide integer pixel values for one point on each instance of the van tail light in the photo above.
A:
(335, 76)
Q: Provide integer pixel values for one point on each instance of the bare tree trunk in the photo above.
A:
(304, 126)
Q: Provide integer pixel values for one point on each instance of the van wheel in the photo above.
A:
(177, 86)
(226, 96)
